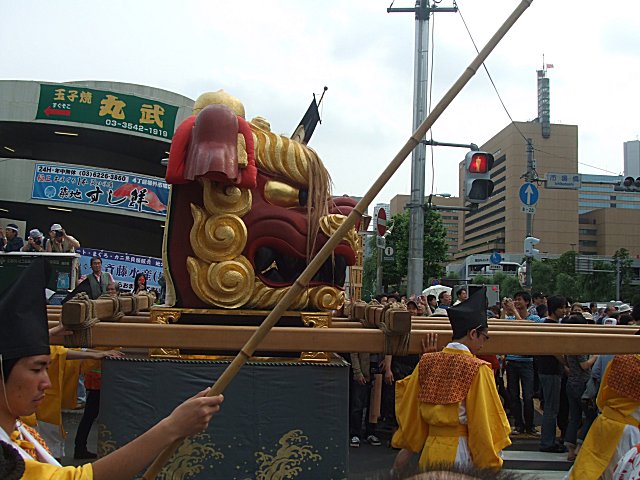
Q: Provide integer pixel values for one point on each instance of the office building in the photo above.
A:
(632, 158)
(500, 224)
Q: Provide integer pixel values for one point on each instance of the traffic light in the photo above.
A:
(529, 243)
(478, 185)
(629, 184)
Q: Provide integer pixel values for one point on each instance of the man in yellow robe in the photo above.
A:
(615, 431)
(448, 409)
(24, 360)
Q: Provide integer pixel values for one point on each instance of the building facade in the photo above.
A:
(632, 158)
(87, 155)
(500, 224)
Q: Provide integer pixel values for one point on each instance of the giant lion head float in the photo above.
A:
(248, 211)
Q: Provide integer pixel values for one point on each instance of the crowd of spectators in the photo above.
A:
(57, 241)
(565, 385)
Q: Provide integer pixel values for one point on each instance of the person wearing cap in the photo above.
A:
(34, 242)
(10, 241)
(615, 431)
(60, 241)
(24, 358)
(448, 408)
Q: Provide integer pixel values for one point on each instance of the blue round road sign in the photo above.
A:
(529, 194)
(495, 258)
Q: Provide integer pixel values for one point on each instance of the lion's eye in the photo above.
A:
(284, 195)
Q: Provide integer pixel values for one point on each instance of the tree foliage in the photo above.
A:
(559, 277)
(434, 252)
(369, 270)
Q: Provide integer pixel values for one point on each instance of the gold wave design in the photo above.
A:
(280, 155)
(326, 297)
(217, 237)
(190, 458)
(286, 463)
(227, 284)
(267, 297)
(106, 444)
(219, 199)
(331, 223)
(185, 463)
(322, 297)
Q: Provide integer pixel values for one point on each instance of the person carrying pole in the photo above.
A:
(448, 409)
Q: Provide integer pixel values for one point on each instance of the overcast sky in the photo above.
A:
(273, 54)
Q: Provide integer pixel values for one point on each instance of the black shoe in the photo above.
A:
(554, 449)
(84, 455)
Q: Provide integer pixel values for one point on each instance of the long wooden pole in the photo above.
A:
(355, 215)
(536, 327)
(364, 340)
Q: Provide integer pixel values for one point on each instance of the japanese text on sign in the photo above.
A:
(105, 188)
(111, 109)
(123, 267)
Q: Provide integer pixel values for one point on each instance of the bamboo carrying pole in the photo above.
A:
(356, 214)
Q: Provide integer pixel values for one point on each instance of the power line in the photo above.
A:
(488, 74)
(598, 168)
(507, 111)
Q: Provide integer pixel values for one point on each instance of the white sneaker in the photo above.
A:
(373, 440)
(355, 442)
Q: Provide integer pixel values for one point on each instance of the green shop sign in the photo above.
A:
(98, 107)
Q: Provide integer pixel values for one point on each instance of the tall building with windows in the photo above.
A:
(608, 219)
(632, 158)
(597, 191)
(499, 224)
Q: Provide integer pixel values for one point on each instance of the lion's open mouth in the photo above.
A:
(277, 269)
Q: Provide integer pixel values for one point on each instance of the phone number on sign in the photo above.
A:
(158, 132)
(104, 175)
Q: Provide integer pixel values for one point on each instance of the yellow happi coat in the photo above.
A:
(428, 411)
(39, 464)
(63, 374)
(43, 471)
(619, 402)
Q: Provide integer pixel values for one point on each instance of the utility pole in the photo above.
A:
(617, 278)
(381, 244)
(529, 177)
(422, 10)
(379, 252)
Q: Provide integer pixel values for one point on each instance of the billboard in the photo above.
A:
(111, 109)
(104, 188)
(123, 266)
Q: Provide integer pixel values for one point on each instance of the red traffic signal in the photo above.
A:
(477, 184)
(480, 162)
